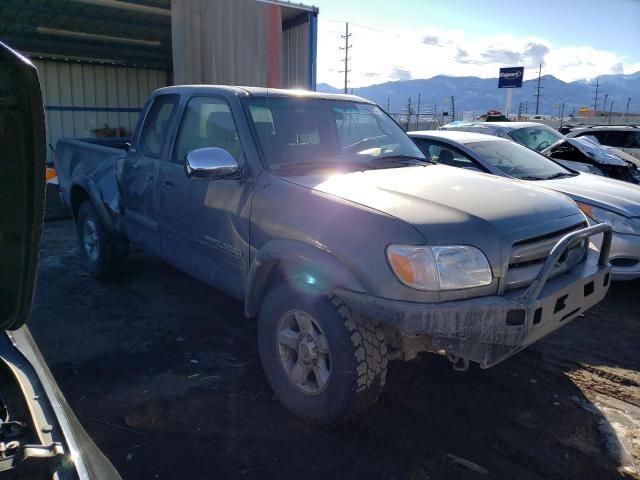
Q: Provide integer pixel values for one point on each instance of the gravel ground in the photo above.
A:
(163, 372)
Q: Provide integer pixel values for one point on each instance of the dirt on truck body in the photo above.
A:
(349, 247)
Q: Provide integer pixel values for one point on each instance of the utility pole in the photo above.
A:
(388, 104)
(595, 97)
(453, 109)
(346, 59)
(610, 110)
(520, 110)
(562, 115)
(604, 104)
(626, 110)
(537, 95)
(408, 123)
(418, 113)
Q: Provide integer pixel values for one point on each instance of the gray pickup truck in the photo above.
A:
(348, 246)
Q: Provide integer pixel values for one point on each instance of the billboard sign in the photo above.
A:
(511, 77)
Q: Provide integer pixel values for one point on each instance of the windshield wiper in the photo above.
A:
(398, 158)
(560, 175)
(530, 177)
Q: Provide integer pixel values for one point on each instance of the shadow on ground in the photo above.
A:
(163, 372)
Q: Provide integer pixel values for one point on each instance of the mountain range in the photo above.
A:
(474, 94)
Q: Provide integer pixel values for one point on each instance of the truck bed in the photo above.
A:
(89, 159)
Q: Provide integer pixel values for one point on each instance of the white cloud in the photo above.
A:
(378, 56)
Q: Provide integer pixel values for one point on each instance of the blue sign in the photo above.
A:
(511, 77)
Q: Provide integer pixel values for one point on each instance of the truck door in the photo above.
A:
(205, 223)
(139, 173)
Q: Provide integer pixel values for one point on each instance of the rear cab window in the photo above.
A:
(156, 125)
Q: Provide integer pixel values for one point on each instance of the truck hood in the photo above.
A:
(614, 195)
(447, 204)
(591, 148)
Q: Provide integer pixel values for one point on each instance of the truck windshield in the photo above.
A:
(295, 131)
(518, 161)
(536, 138)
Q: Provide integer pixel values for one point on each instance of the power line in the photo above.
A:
(346, 59)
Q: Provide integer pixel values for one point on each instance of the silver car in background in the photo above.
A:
(583, 154)
(603, 200)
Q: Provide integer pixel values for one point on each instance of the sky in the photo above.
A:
(410, 39)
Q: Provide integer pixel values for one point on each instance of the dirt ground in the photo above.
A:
(163, 373)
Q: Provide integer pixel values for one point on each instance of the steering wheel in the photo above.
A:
(373, 141)
(542, 145)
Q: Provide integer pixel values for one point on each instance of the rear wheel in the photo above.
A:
(102, 252)
(325, 362)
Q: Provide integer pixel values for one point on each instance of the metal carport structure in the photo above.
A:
(99, 59)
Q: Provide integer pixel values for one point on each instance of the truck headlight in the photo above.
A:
(619, 223)
(439, 267)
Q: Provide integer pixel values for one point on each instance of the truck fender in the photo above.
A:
(301, 264)
(89, 187)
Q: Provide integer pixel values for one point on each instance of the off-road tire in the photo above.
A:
(112, 248)
(358, 356)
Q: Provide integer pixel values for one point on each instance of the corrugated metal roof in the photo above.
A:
(81, 29)
(39, 26)
(295, 7)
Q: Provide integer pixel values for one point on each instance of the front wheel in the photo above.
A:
(325, 362)
(102, 252)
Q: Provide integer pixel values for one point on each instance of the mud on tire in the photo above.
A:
(102, 252)
(358, 356)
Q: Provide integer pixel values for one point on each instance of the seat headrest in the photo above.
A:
(445, 156)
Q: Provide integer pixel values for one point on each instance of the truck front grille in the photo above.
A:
(527, 256)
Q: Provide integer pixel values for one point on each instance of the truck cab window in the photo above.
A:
(156, 125)
(207, 122)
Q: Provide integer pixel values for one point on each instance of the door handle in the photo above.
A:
(168, 183)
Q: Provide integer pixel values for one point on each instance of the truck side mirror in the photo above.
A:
(210, 164)
(22, 183)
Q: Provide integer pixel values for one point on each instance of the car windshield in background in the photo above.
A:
(518, 161)
(301, 132)
(537, 138)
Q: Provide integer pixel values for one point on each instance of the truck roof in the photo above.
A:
(261, 92)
